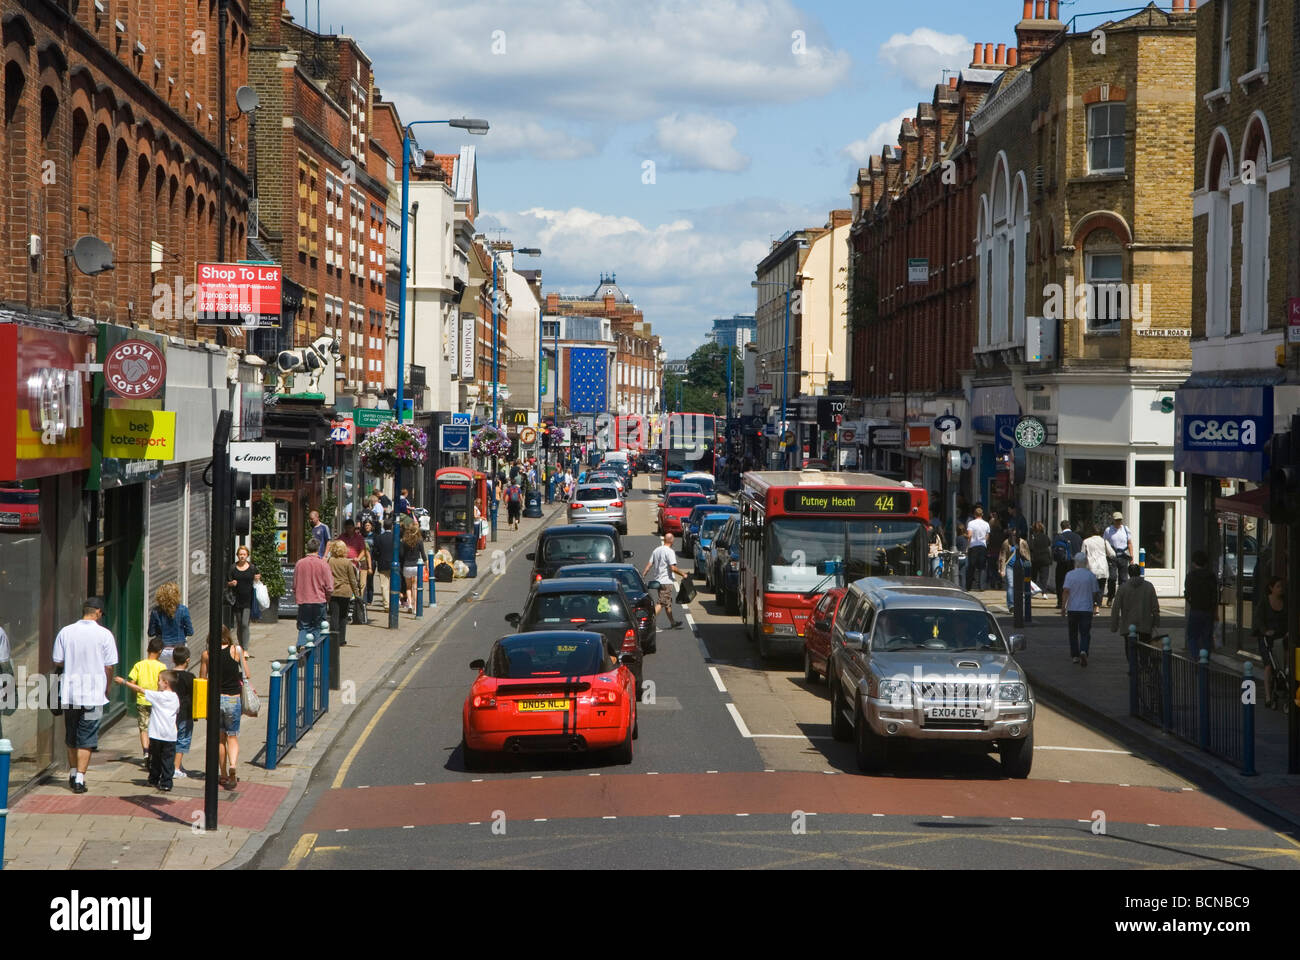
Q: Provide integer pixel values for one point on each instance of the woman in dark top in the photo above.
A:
(170, 619)
(997, 535)
(368, 534)
(412, 554)
(240, 579)
(1040, 555)
(233, 669)
(1271, 625)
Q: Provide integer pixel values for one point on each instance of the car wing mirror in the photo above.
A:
(530, 556)
(627, 554)
(513, 619)
(854, 638)
(1018, 643)
(477, 665)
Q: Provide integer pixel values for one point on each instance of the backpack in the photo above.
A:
(1061, 551)
(513, 494)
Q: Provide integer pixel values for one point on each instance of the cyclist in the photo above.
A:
(1270, 625)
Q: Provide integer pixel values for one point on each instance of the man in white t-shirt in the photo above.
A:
(84, 654)
(1120, 539)
(661, 566)
(977, 528)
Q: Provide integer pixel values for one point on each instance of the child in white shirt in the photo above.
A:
(162, 727)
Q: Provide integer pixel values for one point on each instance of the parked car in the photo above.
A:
(572, 543)
(639, 593)
(710, 526)
(674, 508)
(678, 487)
(889, 630)
(652, 461)
(598, 604)
(817, 638)
(724, 565)
(548, 691)
(691, 525)
(706, 482)
(607, 476)
(597, 502)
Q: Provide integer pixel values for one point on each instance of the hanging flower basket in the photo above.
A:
(393, 446)
(486, 448)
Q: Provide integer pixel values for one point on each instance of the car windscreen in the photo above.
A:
(712, 524)
(627, 576)
(685, 488)
(816, 554)
(522, 658)
(680, 500)
(941, 631)
(579, 548)
(555, 609)
(598, 493)
(705, 485)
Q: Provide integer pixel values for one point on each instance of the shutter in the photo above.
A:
(199, 568)
(166, 535)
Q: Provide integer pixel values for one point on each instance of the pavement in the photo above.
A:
(122, 823)
(1098, 696)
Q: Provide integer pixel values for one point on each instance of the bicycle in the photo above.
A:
(1279, 697)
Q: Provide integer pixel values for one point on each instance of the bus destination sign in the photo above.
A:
(846, 501)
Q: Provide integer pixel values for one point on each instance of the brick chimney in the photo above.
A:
(1036, 32)
(841, 218)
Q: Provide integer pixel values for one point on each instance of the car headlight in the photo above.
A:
(1012, 692)
(897, 692)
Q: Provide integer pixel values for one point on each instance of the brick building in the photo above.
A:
(1084, 258)
(1246, 231)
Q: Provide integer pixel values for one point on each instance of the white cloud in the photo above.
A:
(886, 133)
(698, 142)
(921, 56)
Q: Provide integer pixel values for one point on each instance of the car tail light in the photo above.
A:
(575, 506)
(484, 702)
(617, 503)
(629, 641)
(537, 577)
(604, 696)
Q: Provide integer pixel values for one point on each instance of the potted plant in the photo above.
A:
(393, 446)
(265, 556)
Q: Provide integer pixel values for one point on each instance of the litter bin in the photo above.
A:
(533, 505)
(467, 551)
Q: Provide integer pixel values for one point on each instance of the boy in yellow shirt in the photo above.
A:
(145, 675)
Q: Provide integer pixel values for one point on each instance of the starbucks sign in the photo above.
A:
(1030, 433)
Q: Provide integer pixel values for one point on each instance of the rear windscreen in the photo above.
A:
(522, 658)
(683, 500)
(565, 609)
(598, 493)
(580, 548)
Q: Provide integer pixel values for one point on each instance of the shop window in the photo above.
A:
(1155, 534)
(20, 618)
(1152, 473)
(1092, 516)
(1097, 473)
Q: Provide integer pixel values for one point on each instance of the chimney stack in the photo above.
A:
(1002, 55)
(1035, 34)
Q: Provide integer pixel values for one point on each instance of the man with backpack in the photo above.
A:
(514, 503)
(1064, 548)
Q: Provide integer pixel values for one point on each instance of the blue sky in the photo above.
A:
(752, 129)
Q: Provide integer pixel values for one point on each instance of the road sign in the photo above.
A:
(367, 418)
(465, 418)
(918, 270)
(453, 437)
(788, 437)
(848, 436)
(527, 436)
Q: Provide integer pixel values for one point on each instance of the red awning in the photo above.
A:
(1252, 503)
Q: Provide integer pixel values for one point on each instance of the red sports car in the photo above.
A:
(676, 507)
(551, 691)
(817, 639)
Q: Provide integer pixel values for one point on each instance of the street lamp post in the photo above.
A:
(478, 127)
(496, 373)
(785, 376)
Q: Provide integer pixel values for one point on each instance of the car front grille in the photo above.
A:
(953, 724)
(955, 694)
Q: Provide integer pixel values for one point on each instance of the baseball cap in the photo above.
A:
(1117, 515)
(96, 602)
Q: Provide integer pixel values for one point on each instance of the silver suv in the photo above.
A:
(599, 503)
(917, 659)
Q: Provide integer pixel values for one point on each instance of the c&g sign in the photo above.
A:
(1226, 433)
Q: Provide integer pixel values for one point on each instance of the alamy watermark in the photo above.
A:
(1102, 302)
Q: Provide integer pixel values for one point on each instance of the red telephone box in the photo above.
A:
(456, 491)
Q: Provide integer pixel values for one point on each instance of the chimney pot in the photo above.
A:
(975, 57)
(1002, 54)
(1054, 9)
(1039, 9)
(952, 83)
(1013, 57)
(988, 53)
(1029, 10)
(1180, 6)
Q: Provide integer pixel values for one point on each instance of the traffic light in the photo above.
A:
(241, 493)
(1283, 479)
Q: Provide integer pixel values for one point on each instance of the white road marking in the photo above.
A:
(1153, 824)
(1220, 828)
(609, 818)
(1122, 753)
(1064, 781)
(653, 773)
(479, 780)
(769, 771)
(409, 826)
(740, 722)
(742, 814)
(948, 816)
(1017, 818)
(476, 823)
(537, 776)
(366, 787)
(539, 819)
(717, 680)
(421, 783)
(710, 771)
(593, 774)
(877, 814)
(342, 830)
(674, 816)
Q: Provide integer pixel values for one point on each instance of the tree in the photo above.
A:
(264, 540)
(706, 373)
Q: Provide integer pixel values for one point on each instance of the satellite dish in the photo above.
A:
(92, 255)
(246, 98)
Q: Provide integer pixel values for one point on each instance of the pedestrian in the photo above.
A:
(184, 687)
(163, 706)
(404, 503)
(358, 552)
(8, 686)
(312, 584)
(320, 531)
(997, 537)
(239, 583)
(412, 557)
(1120, 540)
(1015, 554)
(1099, 553)
(662, 566)
(1064, 548)
(935, 537)
(961, 545)
(1135, 604)
(1040, 555)
(977, 528)
(170, 620)
(384, 502)
(145, 675)
(1201, 588)
(1082, 597)
(514, 503)
(1016, 521)
(233, 670)
(1270, 626)
(376, 510)
(368, 578)
(346, 587)
(84, 654)
(383, 556)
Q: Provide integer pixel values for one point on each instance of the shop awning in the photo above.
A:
(1252, 503)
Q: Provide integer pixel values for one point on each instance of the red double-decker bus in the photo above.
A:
(806, 532)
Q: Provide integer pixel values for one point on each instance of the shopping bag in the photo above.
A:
(262, 594)
(686, 592)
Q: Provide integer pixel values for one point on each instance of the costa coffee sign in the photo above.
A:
(135, 369)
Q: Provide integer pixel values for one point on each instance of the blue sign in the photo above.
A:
(464, 418)
(453, 438)
(1004, 433)
(1231, 433)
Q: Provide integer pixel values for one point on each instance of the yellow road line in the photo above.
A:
(1289, 839)
(300, 850)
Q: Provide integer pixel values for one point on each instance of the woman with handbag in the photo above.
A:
(368, 561)
(169, 619)
(239, 592)
(234, 670)
(412, 557)
(347, 587)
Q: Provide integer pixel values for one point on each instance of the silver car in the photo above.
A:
(917, 659)
(599, 503)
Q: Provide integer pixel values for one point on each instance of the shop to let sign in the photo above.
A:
(140, 434)
(238, 295)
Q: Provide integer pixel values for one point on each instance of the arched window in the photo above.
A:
(1218, 273)
(1103, 265)
(1255, 225)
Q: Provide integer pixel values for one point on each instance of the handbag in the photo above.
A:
(686, 592)
(249, 702)
(358, 612)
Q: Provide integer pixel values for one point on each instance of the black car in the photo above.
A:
(724, 563)
(652, 462)
(596, 604)
(561, 546)
(639, 593)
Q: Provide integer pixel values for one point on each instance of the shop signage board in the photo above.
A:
(1293, 320)
(238, 295)
(882, 437)
(918, 270)
(46, 426)
(368, 419)
(135, 369)
(258, 458)
(140, 434)
(453, 437)
(468, 336)
(343, 431)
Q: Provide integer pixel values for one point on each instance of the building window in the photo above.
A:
(1218, 278)
(1255, 235)
(1097, 473)
(1106, 138)
(1107, 305)
(1155, 534)
(1261, 35)
(1225, 43)
(1152, 473)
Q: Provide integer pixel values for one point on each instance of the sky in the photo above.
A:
(665, 141)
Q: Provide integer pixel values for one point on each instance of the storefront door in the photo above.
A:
(115, 572)
(1245, 552)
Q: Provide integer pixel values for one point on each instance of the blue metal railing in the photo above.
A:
(298, 696)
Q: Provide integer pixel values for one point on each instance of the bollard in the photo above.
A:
(309, 692)
(419, 588)
(1248, 722)
(1203, 697)
(273, 716)
(291, 722)
(1132, 671)
(333, 651)
(6, 748)
(1167, 684)
(327, 681)
(433, 590)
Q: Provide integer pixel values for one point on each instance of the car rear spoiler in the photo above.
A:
(542, 686)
